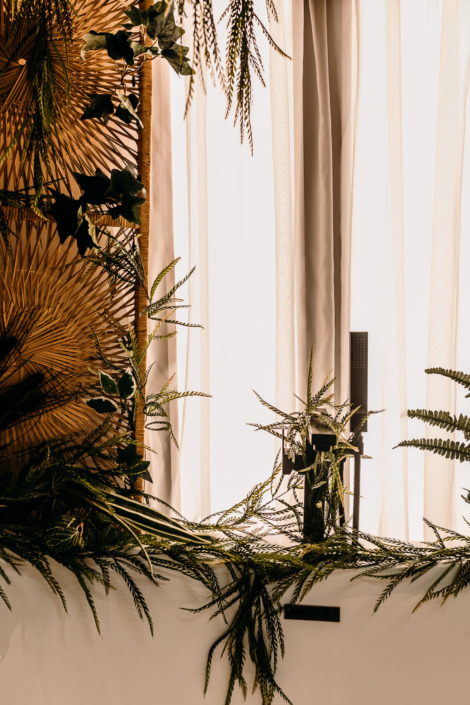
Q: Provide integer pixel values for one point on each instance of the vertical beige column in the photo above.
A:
(143, 157)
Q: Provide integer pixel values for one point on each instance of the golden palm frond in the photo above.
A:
(44, 89)
(53, 304)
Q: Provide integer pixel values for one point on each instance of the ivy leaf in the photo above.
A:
(130, 458)
(127, 109)
(124, 182)
(126, 385)
(119, 48)
(144, 470)
(83, 236)
(128, 209)
(94, 187)
(137, 16)
(128, 455)
(92, 230)
(162, 25)
(137, 48)
(64, 210)
(101, 106)
(176, 57)
(108, 385)
(102, 405)
(93, 41)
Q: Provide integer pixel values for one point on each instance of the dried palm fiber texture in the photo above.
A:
(74, 145)
(28, 107)
(51, 301)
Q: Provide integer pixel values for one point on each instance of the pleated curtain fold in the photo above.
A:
(352, 215)
(322, 100)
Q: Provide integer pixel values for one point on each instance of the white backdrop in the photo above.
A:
(50, 658)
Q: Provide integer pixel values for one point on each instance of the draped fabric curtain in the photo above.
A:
(269, 235)
(272, 269)
(323, 74)
(161, 355)
(324, 69)
(408, 253)
(349, 217)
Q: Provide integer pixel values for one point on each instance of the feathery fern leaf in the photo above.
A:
(452, 450)
(459, 377)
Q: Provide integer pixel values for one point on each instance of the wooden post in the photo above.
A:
(143, 157)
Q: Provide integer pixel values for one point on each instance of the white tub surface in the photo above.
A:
(391, 658)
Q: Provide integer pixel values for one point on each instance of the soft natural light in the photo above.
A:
(398, 347)
(224, 213)
(239, 333)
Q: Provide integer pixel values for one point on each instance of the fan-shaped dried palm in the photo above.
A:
(44, 89)
(52, 302)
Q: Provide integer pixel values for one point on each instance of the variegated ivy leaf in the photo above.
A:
(176, 57)
(93, 41)
(137, 48)
(128, 107)
(102, 405)
(108, 385)
(124, 182)
(126, 385)
(137, 16)
(162, 25)
(117, 45)
(94, 188)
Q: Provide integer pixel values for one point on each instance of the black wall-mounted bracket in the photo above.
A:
(312, 613)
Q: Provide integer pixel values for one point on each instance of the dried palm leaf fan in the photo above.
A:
(51, 302)
(44, 89)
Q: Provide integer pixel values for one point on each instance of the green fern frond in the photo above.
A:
(159, 278)
(459, 377)
(442, 419)
(140, 603)
(452, 450)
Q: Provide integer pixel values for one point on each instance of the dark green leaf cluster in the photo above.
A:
(119, 196)
(102, 106)
(148, 33)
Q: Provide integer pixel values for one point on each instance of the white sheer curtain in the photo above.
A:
(410, 246)
(400, 78)
(224, 212)
(271, 266)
